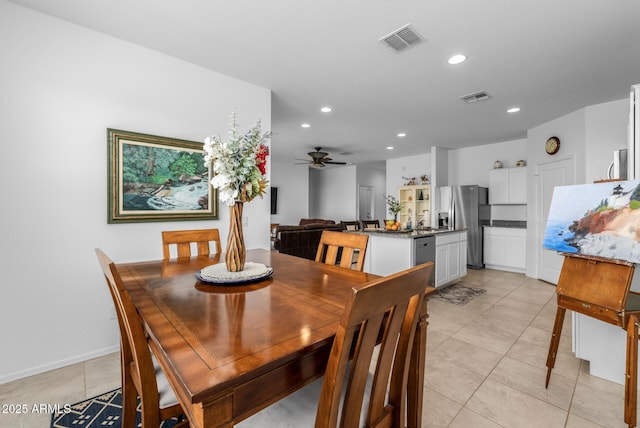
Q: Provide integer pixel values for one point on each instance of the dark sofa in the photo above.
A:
(302, 240)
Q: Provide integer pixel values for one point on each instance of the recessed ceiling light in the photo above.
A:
(457, 59)
(325, 109)
(305, 125)
(513, 110)
(401, 134)
(389, 147)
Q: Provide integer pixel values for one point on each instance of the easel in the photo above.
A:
(600, 288)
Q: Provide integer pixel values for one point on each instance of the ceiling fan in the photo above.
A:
(319, 159)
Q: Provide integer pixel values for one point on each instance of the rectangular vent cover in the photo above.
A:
(475, 97)
(402, 38)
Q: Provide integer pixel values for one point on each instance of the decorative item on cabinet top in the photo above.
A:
(520, 162)
(497, 164)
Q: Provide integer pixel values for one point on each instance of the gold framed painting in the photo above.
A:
(152, 178)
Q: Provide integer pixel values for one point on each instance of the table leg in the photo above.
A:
(416, 371)
(631, 375)
(555, 342)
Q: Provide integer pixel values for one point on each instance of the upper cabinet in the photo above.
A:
(508, 186)
(416, 205)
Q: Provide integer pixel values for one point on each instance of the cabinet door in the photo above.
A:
(493, 249)
(463, 255)
(453, 261)
(515, 252)
(498, 186)
(518, 185)
(442, 262)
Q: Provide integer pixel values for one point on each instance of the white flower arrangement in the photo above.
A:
(239, 165)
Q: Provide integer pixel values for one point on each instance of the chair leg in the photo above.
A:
(631, 375)
(555, 342)
(129, 402)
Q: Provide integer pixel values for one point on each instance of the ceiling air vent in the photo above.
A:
(402, 38)
(475, 97)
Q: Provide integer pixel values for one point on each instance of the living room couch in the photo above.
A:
(302, 240)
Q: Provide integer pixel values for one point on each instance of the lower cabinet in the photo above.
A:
(451, 257)
(505, 249)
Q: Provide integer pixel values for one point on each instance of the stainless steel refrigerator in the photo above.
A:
(467, 207)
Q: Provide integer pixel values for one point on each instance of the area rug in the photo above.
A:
(458, 294)
(102, 411)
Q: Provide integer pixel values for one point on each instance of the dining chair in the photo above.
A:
(351, 224)
(141, 375)
(343, 249)
(367, 374)
(183, 239)
(370, 224)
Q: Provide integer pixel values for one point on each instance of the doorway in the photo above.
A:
(546, 177)
(366, 203)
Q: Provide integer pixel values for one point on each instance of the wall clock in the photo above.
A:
(552, 145)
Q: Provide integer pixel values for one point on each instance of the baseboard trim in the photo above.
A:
(58, 364)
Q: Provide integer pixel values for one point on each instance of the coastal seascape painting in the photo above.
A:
(600, 219)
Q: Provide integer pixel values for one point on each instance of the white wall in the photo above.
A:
(471, 165)
(606, 131)
(62, 86)
(333, 193)
(409, 166)
(292, 182)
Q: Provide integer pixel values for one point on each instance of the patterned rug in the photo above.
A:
(458, 294)
(102, 411)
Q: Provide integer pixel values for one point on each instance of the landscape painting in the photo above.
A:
(155, 178)
(600, 219)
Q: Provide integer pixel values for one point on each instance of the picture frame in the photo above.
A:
(153, 178)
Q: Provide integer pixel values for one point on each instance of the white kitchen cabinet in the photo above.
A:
(508, 186)
(505, 248)
(451, 257)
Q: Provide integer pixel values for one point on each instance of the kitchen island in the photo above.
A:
(390, 252)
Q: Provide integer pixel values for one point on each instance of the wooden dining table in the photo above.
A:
(231, 350)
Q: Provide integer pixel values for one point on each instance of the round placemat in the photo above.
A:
(218, 273)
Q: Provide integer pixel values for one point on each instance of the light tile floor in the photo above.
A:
(485, 367)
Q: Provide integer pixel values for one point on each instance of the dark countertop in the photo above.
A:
(415, 233)
(518, 224)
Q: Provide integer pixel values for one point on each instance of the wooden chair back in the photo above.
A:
(183, 239)
(350, 225)
(368, 224)
(384, 311)
(139, 377)
(334, 245)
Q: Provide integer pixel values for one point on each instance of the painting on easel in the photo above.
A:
(600, 219)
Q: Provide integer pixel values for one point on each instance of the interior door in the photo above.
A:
(366, 203)
(547, 176)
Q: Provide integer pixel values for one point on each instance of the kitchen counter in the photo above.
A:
(514, 224)
(389, 252)
(407, 234)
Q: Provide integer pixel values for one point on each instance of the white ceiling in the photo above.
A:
(549, 57)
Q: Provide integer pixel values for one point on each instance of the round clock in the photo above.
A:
(552, 145)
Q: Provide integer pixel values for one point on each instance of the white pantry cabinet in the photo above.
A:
(505, 248)
(508, 186)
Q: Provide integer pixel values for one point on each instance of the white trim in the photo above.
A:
(58, 364)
